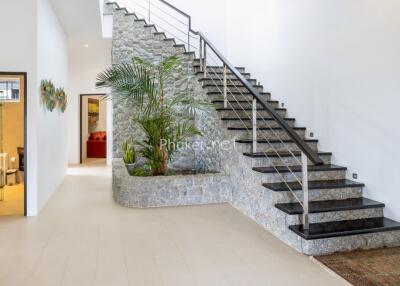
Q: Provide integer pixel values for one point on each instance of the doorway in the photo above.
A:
(93, 129)
(13, 143)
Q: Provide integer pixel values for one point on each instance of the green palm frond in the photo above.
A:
(186, 107)
(167, 66)
(142, 62)
(128, 81)
(185, 131)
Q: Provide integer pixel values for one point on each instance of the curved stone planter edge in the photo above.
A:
(169, 191)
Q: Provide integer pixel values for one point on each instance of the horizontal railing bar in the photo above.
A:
(174, 8)
(303, 146)
(168, 14)
(182, 13)
(163, 20)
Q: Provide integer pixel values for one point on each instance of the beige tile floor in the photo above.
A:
(13, 203)
(83, 238)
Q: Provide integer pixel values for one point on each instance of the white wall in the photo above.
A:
(52, 59)
(37, 37)
(19, 55)
(84, 66)
(336, 66)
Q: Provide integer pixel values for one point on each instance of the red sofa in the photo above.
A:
(97, 145)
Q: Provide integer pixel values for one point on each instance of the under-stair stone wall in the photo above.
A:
(258, 203)
(131, 38)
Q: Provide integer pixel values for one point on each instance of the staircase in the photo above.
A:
(281, 179)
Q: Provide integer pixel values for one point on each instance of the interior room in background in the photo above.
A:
(12, 143)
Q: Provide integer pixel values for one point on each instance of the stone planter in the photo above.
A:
(148, 192)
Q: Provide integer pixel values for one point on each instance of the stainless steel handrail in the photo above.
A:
(303, 146)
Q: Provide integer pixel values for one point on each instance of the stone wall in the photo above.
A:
(131, 38)
(169, 191)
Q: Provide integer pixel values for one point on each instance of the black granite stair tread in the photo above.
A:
(213, 67)
(331, 206)
(237, 93)
(258, 119)
(263, 128)
(218, 72)
(297, 168)
(229, 85)
(122, 9)
(206, 78)
(248, 141)
(248, 109)
(113, 3)
(241, 101)
(273, 154)
(345, 228)
(314, 185)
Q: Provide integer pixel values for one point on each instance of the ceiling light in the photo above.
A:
(86, 46)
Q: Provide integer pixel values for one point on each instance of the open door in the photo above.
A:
(12, 144)
(93, 129)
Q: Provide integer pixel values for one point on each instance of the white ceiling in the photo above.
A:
(81, 21)
(79, 17)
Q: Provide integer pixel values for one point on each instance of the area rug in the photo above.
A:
(378, 267)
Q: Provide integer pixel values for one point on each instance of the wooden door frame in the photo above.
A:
(25, 75)
(80, 120)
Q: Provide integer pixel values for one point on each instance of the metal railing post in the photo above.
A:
(254, 125)
(205, 59)
(149, 11)
(188, 40)
(188, 34)
(225, 87)
(304, 169)
(201, 53)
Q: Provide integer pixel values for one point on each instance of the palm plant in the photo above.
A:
(165, 120)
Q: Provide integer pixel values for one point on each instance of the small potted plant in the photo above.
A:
(129, 155)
